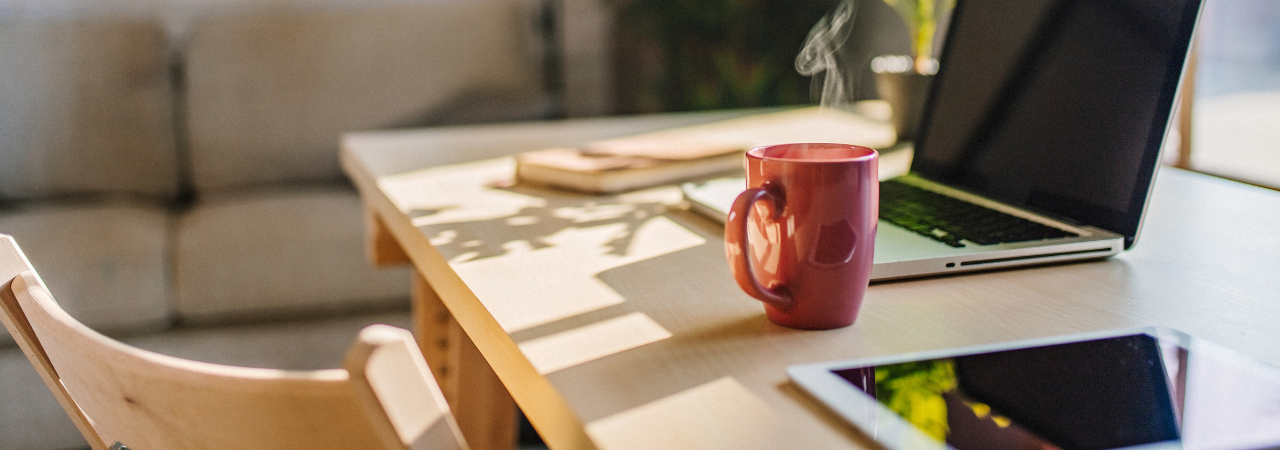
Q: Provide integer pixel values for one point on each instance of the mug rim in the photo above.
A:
(758, 153)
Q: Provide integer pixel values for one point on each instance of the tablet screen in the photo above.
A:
(1102, 393)
(1099, 394)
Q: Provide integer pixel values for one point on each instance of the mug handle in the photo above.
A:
(736, 246)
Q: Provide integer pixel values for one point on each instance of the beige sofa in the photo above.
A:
(170, 166)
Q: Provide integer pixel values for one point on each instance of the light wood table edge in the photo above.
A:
(547, 410)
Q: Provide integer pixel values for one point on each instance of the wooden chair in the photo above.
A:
(385, 397)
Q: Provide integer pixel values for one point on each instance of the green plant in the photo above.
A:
(914, 391)
(705, 54)
(921, 18)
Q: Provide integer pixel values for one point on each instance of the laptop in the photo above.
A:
(1039, 141)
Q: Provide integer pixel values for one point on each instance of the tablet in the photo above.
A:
(1139, 388)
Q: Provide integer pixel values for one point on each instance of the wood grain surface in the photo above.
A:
(614, 322)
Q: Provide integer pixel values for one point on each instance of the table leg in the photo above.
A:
(382, 248)
(481, 404)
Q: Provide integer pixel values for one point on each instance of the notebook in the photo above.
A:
(1040, 138)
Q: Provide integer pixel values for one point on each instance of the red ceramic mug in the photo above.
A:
(807, 250)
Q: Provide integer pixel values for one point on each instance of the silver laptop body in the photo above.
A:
(1054, 111)
(901, 253)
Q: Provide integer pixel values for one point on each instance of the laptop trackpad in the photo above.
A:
(894, 244)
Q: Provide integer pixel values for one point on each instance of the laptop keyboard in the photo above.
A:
(949, 220)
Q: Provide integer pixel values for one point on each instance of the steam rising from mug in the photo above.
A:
(820, 55)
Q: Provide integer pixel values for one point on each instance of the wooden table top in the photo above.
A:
(614, 321)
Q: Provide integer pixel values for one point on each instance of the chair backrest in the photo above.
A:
(385, 397)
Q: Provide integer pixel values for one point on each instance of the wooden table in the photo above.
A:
(614, 322)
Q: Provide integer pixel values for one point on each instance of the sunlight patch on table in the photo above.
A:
(537, 278)
(721, 414)
(590, 212)
(419, 193)
(660, 236)
(588, 343)
(667, 195)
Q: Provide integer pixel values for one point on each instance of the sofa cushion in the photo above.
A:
(269, 94)
(311, 344)
(106, 264)
(32, 418)
(278, 253)
(85, 107)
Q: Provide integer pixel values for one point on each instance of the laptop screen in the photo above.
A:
(1059, 106)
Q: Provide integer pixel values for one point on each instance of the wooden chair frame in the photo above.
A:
(384, 397)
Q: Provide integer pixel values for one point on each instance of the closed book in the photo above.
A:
(670, 156)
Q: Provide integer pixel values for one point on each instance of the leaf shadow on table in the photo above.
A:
(716, 308)
(415, 213)
(647, 285)
(538, 226)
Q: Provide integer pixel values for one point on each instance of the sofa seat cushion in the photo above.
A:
(268, 253)
(107, 264)
(310, 344)
(269, 93)
(32, 418)
(85, 107)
